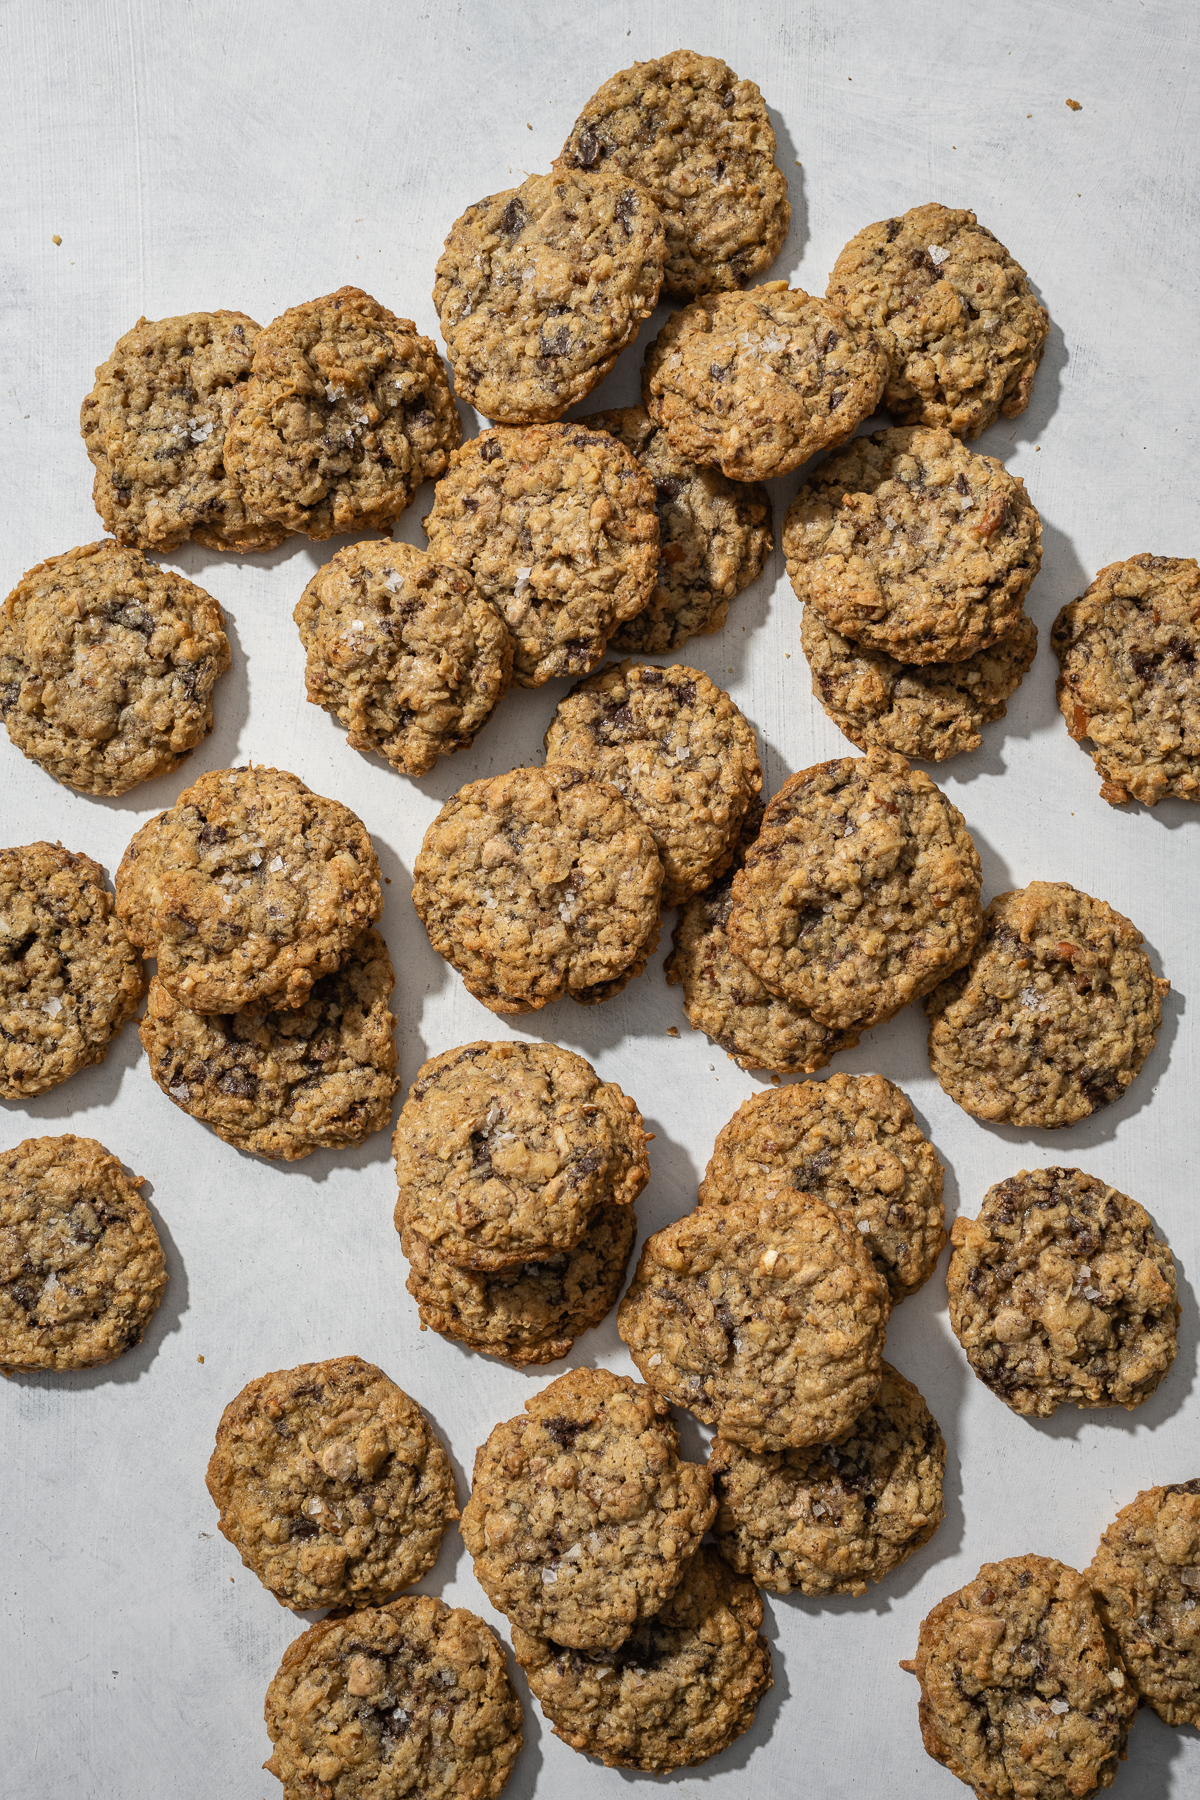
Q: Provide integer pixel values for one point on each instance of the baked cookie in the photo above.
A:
(504, 1151)
(853, 1142)
(249, 889)
(331, 1484)
(830, 1518)
(107, 667)
(81, 1269)
(1145, 1577)
(69, 977)
(540, 288)
(909, 543)
(346, 412)
(154, 426)
(582, 1517)
(1128, 653)
(961, 327)
(409, 1699)
(764, 1318)
(556, 526)
(860, 893)
(1060, 1291)
(282, 1084)
(757, 382)
(1021, 1692)
(536, 884)
(1054, 1014)
(699, 141)
(403, 652)
(680, 1689)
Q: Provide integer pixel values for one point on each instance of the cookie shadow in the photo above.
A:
(1029, 426)
(791, 254)
(1153, 1747)
(90, 1090)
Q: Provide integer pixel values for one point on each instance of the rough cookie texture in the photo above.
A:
(81, 1268)
(248, 890)
(1146, 1576)
(582, 1516)
(1128, 653)
(962, 329)
(1053, 1016)
(680, 1689)
(411, 1699)
(912, 544)
(764, 1317)
(107, 667)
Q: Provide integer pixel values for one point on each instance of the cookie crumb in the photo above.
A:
(199, 1359)
(1075, 105)
(672, 1031)
(55, 239)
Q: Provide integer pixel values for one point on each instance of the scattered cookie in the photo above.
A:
(1145, 1577)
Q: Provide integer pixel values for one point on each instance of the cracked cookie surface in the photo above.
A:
(1145, 1576)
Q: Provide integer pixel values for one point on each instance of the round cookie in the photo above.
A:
(107, 667)
(1060, 1292)
(681, 1688)
(1128, 652)
(700, 143)
(765, 1318)
(909, 543)
(1021, 1692)
(961, 327)
(556, 527)
(536, 884)
(1054, 1014)
(69, 977)
(757, 382)
(1145, 1577)
(853, 1142)
(249, 889)
(347, 411)
(282, 1084)
(82, 1272)
(403, 652)
(860, 893)
(540, 288)
(504, 1151)
(830, 1518)
(409, 1699)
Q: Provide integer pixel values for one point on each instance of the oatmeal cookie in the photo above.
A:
(69, 977)
(249, 889)
(1128, 651)
(539, 883)
(1145, 1576)
(1054, 1014)
(681, 1688)
(81, 1269)
(757, 382)
(107, 667)
(962, 329)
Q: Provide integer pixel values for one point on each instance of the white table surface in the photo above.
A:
(199, 153)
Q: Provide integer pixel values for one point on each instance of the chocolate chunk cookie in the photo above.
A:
(539, 883)
(556, 527)
(540, 288)
(1146, 1579)
(912, 544)
(860, 893)
(830, 1518)
(1021, 1692)
(1053, 1016)
(346, 412)
(853, 1142)
(764, 1318)
(1128, 652)
(1060, 1291)
(699, 141)
(69, 977)
(680, 1689)
(961, 327)
(107, 667)
(403, 651)
(249, 889)
(81, 1268)
(407, 1699)
(758, 382)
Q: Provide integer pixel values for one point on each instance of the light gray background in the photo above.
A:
(254, 155)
